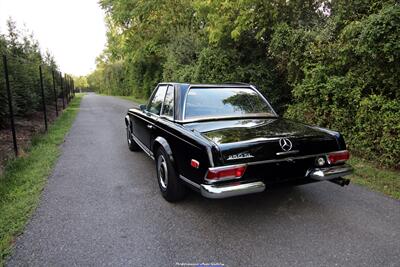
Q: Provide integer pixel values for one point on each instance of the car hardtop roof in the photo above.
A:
(205, 85)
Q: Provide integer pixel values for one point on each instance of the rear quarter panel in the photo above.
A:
(185, 146)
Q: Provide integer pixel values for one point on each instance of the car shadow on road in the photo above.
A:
(288, 200)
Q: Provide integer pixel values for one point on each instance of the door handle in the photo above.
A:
(149, 126)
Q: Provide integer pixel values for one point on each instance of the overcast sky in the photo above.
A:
(73, 30)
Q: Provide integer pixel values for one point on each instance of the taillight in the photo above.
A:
(338, 157)
(225, 173)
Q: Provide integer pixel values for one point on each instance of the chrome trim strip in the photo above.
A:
(145, 149)
(265, 99)
(127, 119)
(276, 160)
(231, 190)
(173, 102)
(287, 152)
(210, 157)
(189, 181)
(286, 159)
(215, 118)
(225, 167)
(184, 103)
(329, 173)
(142, 117)
(171, 125)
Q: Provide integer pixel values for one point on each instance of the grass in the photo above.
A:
(25, 177)
(377, 179)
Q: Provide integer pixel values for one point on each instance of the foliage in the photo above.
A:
(23, 60)
(81, 82)
(351, 82)
(321, 61)
(377, 129)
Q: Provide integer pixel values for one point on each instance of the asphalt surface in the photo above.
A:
(102, 206)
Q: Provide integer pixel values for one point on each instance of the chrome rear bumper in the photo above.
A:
(231, 190)
(329, 173)
(237, 188)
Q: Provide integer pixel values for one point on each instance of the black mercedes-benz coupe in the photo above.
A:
(225, 140)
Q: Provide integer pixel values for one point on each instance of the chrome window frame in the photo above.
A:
(171, 118)
(152, 97)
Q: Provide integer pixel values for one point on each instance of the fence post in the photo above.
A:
(68, 89)
(66, 86)
(9, 97)
(62, 90)
(55, 92)
(72, 88)
(72, 91)
(43, 99)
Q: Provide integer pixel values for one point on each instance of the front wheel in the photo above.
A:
(171, 187)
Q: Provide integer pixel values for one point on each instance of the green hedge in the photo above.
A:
(377, 130)
(351, 84)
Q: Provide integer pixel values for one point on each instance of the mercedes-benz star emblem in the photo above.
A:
(285, 144)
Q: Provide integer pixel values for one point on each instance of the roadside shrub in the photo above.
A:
(377, 130)
(351, 84)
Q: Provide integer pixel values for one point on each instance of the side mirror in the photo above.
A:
(142, 107)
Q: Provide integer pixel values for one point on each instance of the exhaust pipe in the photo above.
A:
(340, 181)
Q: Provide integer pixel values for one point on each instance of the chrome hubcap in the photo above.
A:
(162, 171)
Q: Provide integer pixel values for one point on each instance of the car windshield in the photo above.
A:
(225, 102)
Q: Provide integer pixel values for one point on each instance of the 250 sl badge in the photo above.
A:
(240, 156)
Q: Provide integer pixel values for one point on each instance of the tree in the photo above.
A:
(318, 61)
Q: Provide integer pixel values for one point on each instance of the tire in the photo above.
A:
(133, 146)
(172, 189)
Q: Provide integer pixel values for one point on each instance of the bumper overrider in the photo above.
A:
(332, 174)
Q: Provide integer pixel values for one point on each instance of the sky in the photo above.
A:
(72, 30)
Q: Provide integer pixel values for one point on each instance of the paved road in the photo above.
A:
(102, 207)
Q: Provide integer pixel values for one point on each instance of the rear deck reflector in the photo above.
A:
(194, 163)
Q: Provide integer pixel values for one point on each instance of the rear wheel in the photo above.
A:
(133, 146)
(172, 189)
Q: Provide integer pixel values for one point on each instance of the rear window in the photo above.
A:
(225, 102)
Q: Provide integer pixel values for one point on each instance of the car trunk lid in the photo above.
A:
(249, 140)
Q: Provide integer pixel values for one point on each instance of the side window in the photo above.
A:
(168, 108)
(156, 102)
